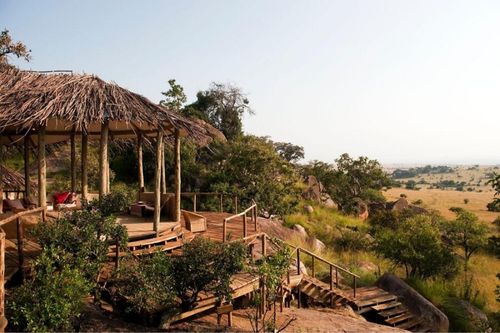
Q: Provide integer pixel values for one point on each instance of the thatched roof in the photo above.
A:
(82, 103)
(12, 180)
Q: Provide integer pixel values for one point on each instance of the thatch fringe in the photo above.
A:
(12, 180)
(29, 100)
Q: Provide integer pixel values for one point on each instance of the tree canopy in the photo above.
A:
(9, 47)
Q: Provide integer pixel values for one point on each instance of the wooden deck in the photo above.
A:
(31, 251)
(215, 222)
(142, 227)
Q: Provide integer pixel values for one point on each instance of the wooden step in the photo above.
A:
(375, 301)
(385, 306)
(394, 311)
(410, 324)
(399, 319)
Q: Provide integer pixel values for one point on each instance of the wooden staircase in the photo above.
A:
(383, 307)
(321, 293)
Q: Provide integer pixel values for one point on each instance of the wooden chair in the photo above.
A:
(194, 222)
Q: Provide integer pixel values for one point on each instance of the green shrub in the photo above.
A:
(351, 240)
(145, 283)
(84, 237)
(112, 203)
(207, 266)
(52, 301)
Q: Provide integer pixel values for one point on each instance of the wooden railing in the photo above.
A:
(253, 215)
(333, 267)
(220, 196)
(20, 252)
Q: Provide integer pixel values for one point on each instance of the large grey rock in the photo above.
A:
(317, 245)
(300, 229)
(293, 267)
(308, 209)
(477, 319)
(417, 304)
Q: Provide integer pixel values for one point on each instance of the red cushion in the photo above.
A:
(60, 198)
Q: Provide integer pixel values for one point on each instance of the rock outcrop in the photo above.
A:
(315, 192)
(417, 304)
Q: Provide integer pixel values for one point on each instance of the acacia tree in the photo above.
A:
(9, 47)
(290, 152)
(494, 206)
(223, 106)
(467, 233)
(174, 97)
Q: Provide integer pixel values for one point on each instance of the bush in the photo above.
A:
(417, 246)
(351, 240)
(206, 266)
(84, 237)
(146, 284)
(52, 301)
(494, 206)
(109, 204)
(418, 202)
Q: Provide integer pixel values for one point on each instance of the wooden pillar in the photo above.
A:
(27, 183)
(177, 171)
(139, 161)
(85, 148)
(1, 188)
(103, 160)
(157, 212)
(42, 169)
(163, 171)
(73, 161)
(20, 246)
(3, 320)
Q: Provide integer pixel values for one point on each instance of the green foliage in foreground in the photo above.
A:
(417, 246)
(53, 300)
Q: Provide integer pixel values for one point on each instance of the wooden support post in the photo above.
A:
(1, 187)
(27, 183)
(224, 229)
(103, 160)
(298, 261)
(177, 171)
(336, 277)
(73, 161)
(244, 225)
(331, 284)
(264, 246)
(236, 205)
(313, 271)
(3, 320)
(194, 203)
(139, 161)
(157, 212)
(42, 169)
(117, 253)
(85, 149)
(163, 171)
(255, 218)
(20, 246)
(354, 283)
(221, 203)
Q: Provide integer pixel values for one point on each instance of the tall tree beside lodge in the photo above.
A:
(9, 47)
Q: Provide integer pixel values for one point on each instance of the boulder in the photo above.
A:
(317, 245)
(478, 320)
(300, 229)
(293, 267)
(308, 209)
(417, 304)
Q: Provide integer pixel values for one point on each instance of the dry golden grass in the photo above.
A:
(443, 200)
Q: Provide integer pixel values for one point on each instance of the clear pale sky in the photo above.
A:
(399, 81)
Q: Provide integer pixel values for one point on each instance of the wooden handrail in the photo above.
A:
(13, 217)
(220, 196)
(252, 209)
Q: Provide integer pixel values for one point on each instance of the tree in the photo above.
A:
(357, 179)
(467, 233)
(250, 168)
(290, 152)
(174, 97)
(9, 47)
(223, 106)
(206, 266)
(494, 206)
(416, 245)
